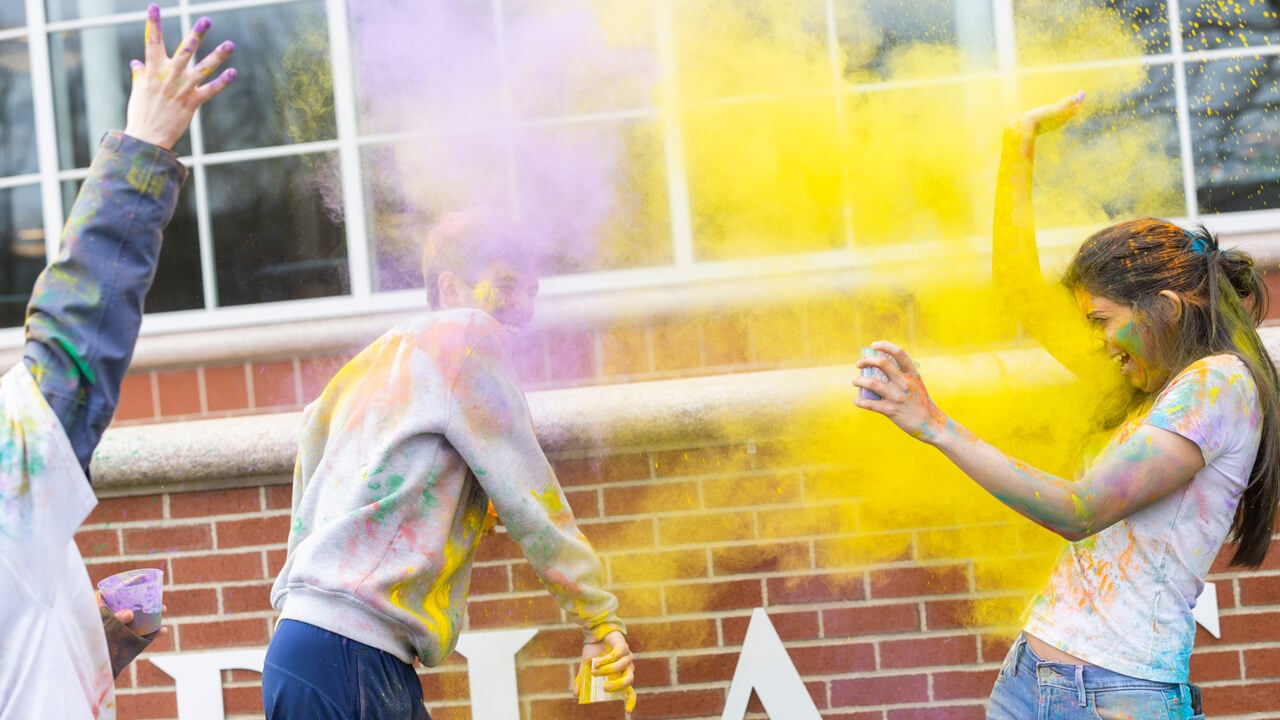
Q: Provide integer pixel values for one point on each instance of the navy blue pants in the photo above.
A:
(313, 674)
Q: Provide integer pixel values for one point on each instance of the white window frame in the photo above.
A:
(684, 270)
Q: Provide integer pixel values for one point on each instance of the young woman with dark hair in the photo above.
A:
(1192, 458)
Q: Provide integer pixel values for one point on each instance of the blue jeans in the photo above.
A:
(313, 674)
(1029, 688)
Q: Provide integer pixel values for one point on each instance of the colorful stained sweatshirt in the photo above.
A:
(397, 463)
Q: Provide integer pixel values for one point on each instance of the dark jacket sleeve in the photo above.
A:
(86, 307)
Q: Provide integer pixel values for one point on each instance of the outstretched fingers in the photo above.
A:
(154, 38)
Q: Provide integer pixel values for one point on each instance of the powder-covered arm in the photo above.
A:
(1126, 477)
(86, 307)
(1045, 309)
(491, 427)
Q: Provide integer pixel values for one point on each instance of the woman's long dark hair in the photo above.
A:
(1223, 301)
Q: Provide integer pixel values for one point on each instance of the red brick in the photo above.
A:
(274, 384)
(639, 602)
(702, 461)
(565, 642)
(790, 626)
(450, 712)
(100, 570)
(270, 530)
(242, 700)
(572, 353)
(990, 611)
(228, 501)
(554, 679)
(564, 705)
(753, 491)
(1212, 665)
(137, 401)
(279, 497)
(677, 344)
(706, 528)
(727, 341)
(994, 647)
(142, 705)
(882, 690)
(1262, 663)
(98, 543)
(167, 539)
(652, 567)
(490, 580)
(833, 659)
(870, 620)
(246, 598)
(760, 558)
(691, 669)
(777, 335)
(275, 561)
(624, 350)
(914, 581)
(859, 551)
(445, 685)
(1257, 590)
(498, 547)
(220, 567)
(621, 534)
(180, 602)
(179, 392)
(523, 577)
(650, 499)
(713, 596)
(954, 712)
(126, 509)
(530, 355)
(1244, 627)
(226, 388)
(150, 676)
(806, 521)
(655, 637)
(584, 503)
(509, 612)
(830, 587)
(223, 633)
(316, 372)
(1253, 697)
(658, 704)
(929, 651)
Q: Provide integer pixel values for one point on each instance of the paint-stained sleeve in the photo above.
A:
(490, 426)
(1213, 403)
(86, 307)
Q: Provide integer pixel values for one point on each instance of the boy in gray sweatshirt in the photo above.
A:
(398, 461)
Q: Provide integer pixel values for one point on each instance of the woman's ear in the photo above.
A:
(1173, 302)
(447, 283)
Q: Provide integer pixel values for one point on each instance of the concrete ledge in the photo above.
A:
(651, 415)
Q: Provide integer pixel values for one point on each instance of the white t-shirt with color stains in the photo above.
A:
(1122, 599)
(53, 652)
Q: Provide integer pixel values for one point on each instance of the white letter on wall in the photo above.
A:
(765, 666)
(197, 678)
(491, 671)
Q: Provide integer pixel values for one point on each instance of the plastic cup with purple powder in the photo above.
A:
(139, 590)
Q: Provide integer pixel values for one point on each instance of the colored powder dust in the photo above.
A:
(860, 127)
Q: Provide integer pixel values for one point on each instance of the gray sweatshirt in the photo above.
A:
(396, 465)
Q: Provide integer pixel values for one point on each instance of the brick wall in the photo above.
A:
(693, 539)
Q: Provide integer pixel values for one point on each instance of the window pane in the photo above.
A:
(873, 37)
(284, 91)
(1214, 24)
(1235, 131)
(21, 250)
(763, 178)
(177, 284)
(594, 195)
(614, 65)
(450, 81)
(91, 80)
(1060, 31)
(13, 14)
(73, 9)
(750, 47)
(17, 118)
(273, 237)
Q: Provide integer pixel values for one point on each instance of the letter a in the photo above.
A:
(765, 666)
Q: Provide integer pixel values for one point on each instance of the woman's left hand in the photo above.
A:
(903, 397)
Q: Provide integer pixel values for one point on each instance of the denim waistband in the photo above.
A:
(1081, 678)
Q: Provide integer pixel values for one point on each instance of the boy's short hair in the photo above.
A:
(464, 242)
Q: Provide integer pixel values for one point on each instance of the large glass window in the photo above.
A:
(639, 136)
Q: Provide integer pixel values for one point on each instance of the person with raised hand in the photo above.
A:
(1191, 458)
(61, 653)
